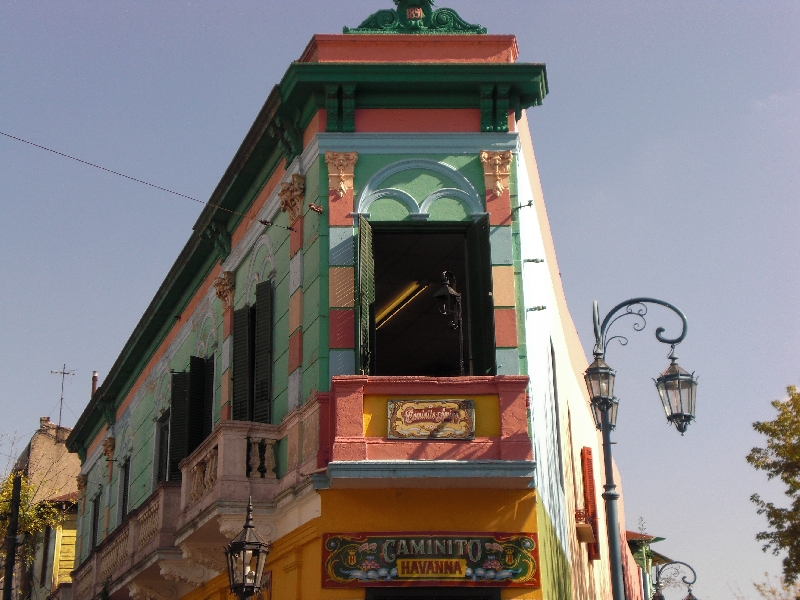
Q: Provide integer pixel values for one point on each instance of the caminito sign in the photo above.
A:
(407, 558)
(425, 419)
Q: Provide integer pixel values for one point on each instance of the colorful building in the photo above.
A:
(366, 333)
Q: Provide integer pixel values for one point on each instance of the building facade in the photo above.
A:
(50, 471)
(367, 335)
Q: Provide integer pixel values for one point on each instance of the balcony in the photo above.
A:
(355, 449)
(132, 550)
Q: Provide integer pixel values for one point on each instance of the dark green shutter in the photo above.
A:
(195, 405)
(365, 284)
(125, 483)
(480, 304)
(163, 447)
(262, 368)
(208, 397)
(179, 420)
(242, 364)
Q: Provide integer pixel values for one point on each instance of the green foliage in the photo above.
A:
(781, 459)
(34, 518)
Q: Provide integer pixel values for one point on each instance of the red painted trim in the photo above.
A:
(296, 237)
(413, 120)
(411, 48)
(296, 350)
(346, 412)
(342, 329)
(505, 327)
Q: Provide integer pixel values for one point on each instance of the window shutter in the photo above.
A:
(96, 520)
(480, 304)
(262, 367)
(208, 397)
(365, 285)
(196, 403)
(163, 447)
(179, 422)
(590, 499)
(242, 364)
(125, 483)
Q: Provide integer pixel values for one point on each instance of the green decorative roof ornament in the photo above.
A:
(416, 16)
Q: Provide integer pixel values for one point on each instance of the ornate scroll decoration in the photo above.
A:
(292, 196)
(289, 137)
(204, 475)
(218, 234)
(108, 448)
(416, 16)
(151, 590)
(223, 286)
(210, 556)
(186, 570)
(341, 166)
(496, 170)
(637, 308)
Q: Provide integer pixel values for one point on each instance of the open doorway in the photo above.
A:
(411, 336)
(400, 328)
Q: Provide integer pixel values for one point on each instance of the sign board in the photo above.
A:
(409, 559)
(431, 419)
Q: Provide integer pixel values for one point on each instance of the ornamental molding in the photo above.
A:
(187, 571)
(82, 480)
(416, 16)
(152, 590)
(224, 287)
(108, 448)
(496, 170)
(341, 166)
(230, 526)
(210, 556)
(292, 196)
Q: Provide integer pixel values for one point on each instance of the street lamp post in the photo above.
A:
(659, 585)
(676, 387)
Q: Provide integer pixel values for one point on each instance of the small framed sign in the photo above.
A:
(431, 419)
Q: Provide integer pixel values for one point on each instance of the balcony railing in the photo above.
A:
(146, 530)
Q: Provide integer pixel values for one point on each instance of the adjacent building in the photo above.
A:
(51, 471)
(366, 334)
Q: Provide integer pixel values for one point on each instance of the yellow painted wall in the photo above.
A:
(487, 413)
(296, 559)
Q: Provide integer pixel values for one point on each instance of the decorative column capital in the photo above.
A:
(496, 170)
(224, 286)
(341, 166)
(292, 195)
(108, 447)
(82, 481)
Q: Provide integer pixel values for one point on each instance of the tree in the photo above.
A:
(774, 589)
(34, 518)
(781, 459)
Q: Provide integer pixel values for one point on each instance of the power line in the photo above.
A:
(158, 187)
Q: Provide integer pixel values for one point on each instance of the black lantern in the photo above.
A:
(450, 305)
(600, 383)
(449, 300)
(246, 556)
(677, 388)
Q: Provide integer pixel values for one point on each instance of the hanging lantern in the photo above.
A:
(600, 383)
(246, 556)
(677, 389)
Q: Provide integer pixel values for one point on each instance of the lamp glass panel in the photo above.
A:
(613, 414)
(597, 413)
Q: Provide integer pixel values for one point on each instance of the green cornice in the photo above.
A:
(276, 135)
(416, 17)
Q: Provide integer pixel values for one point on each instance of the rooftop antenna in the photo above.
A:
(63, 372)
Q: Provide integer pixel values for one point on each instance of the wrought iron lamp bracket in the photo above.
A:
(658, 585)
(635, 307)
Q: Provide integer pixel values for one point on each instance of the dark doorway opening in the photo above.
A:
(411, 336)
(432, 594)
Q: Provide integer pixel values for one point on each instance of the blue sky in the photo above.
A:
(669, 152)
